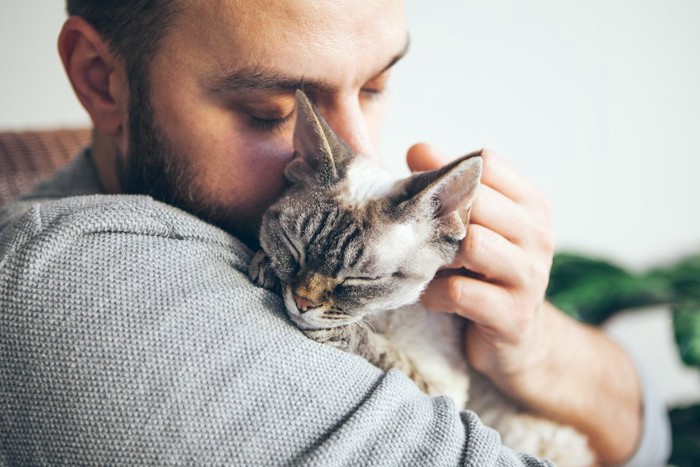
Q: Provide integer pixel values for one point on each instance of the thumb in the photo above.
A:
(423, 156)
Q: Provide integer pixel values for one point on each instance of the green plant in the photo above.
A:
(592, 289)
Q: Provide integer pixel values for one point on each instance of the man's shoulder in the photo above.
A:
(106, 214)
(110, 237)
(72, 202)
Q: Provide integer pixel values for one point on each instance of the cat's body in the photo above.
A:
(433, 343)
(350, 250)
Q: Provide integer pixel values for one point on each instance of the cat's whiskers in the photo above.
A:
(365, 323)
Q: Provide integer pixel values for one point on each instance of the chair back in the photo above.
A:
(27, 157)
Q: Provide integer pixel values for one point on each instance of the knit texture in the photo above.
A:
(130, 334)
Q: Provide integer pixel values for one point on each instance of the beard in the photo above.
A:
(154, 167)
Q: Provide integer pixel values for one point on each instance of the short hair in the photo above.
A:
(132, 29)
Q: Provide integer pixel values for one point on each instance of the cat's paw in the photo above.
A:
(261, 273)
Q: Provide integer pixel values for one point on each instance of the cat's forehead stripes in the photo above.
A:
(334, 234)
(318, 223)
(334, 239)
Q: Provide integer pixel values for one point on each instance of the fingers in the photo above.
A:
(502, 177)
(422, 157)
(507, 251)
(496, 212)
(491, 256)
(486, 304)
(497, 174)
(468, 294)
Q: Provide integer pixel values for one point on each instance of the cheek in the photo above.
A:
(235, 167)
(255, 166)
(357, 296)
(392, 295)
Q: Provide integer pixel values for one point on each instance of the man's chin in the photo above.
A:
(155, 167)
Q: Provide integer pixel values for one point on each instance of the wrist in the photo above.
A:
(520, 369)
(593, 386)
(575, 375)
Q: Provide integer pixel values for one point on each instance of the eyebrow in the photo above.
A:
(266, 80)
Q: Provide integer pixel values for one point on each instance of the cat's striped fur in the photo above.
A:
(350, 250)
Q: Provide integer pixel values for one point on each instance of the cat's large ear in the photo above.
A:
(445, 194)
(315, 147)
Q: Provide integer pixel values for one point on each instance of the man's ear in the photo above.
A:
(96, 74)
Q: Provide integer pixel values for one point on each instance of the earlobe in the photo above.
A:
(96, 75)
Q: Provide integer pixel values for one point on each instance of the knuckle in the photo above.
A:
(545, 239)
(521, 324)
(540, 274)
(539, 206)
(546, 206)
(523, 276)
(486, 153)
(521, 319)
(488, 161)
(551, 241)
(454, 291)
(473, 240)
(479, 202)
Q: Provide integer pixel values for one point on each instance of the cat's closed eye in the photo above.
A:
(296, 252)
(366, 280)
(361, 280)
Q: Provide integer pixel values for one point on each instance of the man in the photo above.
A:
(130, 333)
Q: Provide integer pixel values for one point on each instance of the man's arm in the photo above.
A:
(552, 364)
(130, 334)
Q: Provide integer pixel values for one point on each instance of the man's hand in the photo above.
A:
(509, 246)
(529, 349)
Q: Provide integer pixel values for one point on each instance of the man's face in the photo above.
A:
(222, 88)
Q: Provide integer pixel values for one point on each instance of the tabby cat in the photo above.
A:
(347, 244)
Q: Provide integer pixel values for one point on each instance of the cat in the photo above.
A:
(350, 249)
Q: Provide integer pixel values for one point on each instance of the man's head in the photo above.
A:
(193, 102)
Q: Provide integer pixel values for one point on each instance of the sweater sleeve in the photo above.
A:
(130, 334)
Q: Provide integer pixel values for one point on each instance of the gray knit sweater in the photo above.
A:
(130, 334)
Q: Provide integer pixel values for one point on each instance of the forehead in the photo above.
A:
(335, 41)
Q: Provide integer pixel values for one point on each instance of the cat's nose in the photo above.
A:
(304, 304)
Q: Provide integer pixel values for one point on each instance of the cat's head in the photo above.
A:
(347, 240)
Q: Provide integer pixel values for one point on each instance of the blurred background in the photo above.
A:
(597, 102)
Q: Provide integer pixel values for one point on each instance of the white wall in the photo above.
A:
(596, 101)
(34, 91)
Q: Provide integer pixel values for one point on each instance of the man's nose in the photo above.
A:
(348, 121)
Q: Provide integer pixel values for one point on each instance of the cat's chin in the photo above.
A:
(313, 324)
(310, 320)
